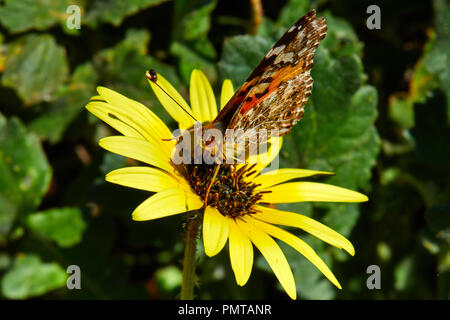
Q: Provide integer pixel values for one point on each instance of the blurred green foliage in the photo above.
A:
(379, 117)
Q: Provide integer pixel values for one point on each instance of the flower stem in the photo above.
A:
(257, 15)
(189, 261)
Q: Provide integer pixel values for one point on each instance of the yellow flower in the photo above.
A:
(244, 222)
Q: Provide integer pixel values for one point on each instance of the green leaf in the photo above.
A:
(192, 18)
(270, 30)
(190, 60)
(115, 11)
(438, 59)
(24, 172)
(292, 11)
(432, 71)
(423, 82)
(5, 261)
(2, 53)
(22, 15)
(54, 117)
(35, 67)
(29, 277)
(239, 58)
(342, 139)
(403, 273)
(190, 44)
(401, 110)
(112, 161)
(341, 39)
(63, 225)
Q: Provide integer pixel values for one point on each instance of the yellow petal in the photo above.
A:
(202, 97)
(130, 118)
(310, 191)
(172, 108)
(126, 126)
(262, 160)
(227, 93)
(134, 109)
(212, 104)
(137, 149)
(98, 98)
(300, 246)
(272, 253)
(275, 144)
(274, 177)
(144, 178)
(241, 253)
(305, 223)
(215, 231)
(130, 126)
(166, 203)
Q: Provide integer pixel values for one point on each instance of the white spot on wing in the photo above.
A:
(275, 50)
(287, 57)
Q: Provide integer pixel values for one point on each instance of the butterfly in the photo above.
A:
(273, 97)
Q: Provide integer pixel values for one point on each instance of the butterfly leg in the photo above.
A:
(216, 171)
(235, 177)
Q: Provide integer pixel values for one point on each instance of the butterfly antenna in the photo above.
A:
(153, 77)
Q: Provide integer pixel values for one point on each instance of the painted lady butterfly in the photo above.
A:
(274, 95)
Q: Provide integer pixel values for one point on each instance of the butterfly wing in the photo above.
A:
(274, 95)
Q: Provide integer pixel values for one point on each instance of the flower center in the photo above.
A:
(229, 193)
